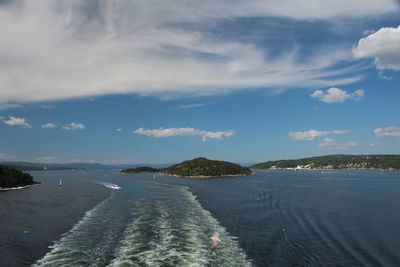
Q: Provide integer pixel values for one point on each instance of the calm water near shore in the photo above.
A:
(272, 218)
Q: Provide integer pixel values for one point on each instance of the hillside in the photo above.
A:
(10, 177)
(202, 167)
(384, 162)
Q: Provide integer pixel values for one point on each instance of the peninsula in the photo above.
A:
(372, 162)
(205, 168)
(10, 177)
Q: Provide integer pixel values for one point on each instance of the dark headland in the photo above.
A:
(10, 177)
(140, 170)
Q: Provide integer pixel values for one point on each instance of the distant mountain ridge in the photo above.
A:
(340, 161)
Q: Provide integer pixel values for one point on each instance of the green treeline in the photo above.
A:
(10, 177)
(385, 162)
(206, 167)
(140, 169)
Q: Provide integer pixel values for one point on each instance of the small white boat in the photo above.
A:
(60, 184)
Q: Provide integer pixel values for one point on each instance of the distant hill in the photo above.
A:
(10, 177)
(29, 166)
(140, 169)
(383, 162)
(202, 167)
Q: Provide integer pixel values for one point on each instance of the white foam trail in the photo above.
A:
(52, 258)
(16, 188)
(111, 186)
(161, 236)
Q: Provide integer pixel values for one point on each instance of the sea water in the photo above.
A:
(272, 218)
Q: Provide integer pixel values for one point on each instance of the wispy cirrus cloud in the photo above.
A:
(61, 49)
(337, 95)
(169, 132)
(15, 121)
(332, 144)
(391, 131)
(312, 134)
(74, 126)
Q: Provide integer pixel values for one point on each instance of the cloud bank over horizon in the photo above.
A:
(57, 50)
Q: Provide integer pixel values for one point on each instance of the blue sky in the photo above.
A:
(118, 81)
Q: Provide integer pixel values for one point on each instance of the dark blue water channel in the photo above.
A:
(272, 218)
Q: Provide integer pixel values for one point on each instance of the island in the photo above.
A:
(140, 170)
(205, 168)
(359, 162)
(11, 178)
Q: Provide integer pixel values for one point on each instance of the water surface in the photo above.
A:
(273, 218)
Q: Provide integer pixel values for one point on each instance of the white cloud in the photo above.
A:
(195, 105)
(384, 77)
(383, 46)
(61, 49)
(49, 159)
(337, 95)
(312, 134)
(14, 121)
(119, 130)
(9, 105)
(391, 131)
(48, 125)
(74, 126)
(331, 144)
(168, 132)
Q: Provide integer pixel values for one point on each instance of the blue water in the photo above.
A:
(273, 218)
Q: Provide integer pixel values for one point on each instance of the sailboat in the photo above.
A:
(60, 184)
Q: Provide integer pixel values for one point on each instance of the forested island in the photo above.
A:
(380, 162)
(203, 168)
(10, 177)
(140, 169)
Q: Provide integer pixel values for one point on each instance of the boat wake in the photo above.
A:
(167, 228)
(110, 185)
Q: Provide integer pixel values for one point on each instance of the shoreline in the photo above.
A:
(204, 176)
(17, 187)
(344, 169)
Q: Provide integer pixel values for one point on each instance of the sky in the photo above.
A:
(146, 82)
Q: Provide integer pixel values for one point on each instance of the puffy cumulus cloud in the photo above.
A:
(63, 49)
(14, 121)
(48, 125)
(332, 144)
(388, 132)
(312, 134)
(337, 95)
(383, 46)
(74, 126)
(168, 132)
(119, 130)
